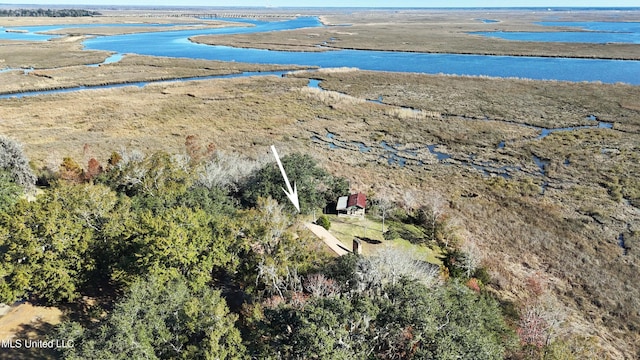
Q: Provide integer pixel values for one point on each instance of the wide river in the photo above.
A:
(177, 44)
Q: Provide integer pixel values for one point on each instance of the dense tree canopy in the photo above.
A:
(163, 243)
(409, 318)
(47, 245)
(9, 190)
(160, 319)
(316, 187)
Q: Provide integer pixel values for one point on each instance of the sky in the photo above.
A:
(342, 3)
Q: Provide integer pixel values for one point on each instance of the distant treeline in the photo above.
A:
(48, 12)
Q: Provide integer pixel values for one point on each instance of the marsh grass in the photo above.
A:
(370, 231)
(411, 114)
(428, 31)
(331, 98)
(131, 69)
(547, 104)
(48, 54)
(569, 234)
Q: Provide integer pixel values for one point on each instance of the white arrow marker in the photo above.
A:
(292, 194)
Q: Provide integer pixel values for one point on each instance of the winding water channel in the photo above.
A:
(137, 84)
(599, 32)
(178, 44)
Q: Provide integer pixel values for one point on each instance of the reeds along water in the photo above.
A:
(404, 113)
(331, 97)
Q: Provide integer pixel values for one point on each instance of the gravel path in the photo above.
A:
(335, 244)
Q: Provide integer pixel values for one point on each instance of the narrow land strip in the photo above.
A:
(431, 32)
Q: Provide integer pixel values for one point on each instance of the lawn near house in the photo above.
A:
(370, 231)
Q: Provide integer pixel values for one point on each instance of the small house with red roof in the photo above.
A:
(352, 205)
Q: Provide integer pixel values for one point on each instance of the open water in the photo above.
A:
(597, 32)
(177, 44)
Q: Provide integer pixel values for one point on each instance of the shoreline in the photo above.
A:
(437, 31)
(135, 83)
(130, 70)
(441, 31)
(326, 48)
(193, 75)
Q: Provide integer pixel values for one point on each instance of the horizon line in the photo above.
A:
(326, 7)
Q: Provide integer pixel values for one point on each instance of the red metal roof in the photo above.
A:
(359, 200)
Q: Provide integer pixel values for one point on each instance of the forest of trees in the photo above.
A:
(198, 256)
(47, 12)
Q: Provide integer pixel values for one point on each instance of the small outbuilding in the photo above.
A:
(352, 205)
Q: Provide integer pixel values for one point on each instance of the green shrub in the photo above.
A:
(316, 187)
(177, 322)
(9, 190)
(482, 274)
(324, 221)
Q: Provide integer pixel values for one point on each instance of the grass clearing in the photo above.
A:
(370, 231)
